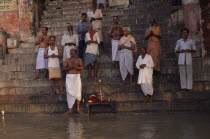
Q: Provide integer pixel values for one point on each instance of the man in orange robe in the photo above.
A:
(153, 35)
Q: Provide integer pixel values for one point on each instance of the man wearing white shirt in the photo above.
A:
(96, 18)
(92, 40)
(69, 41)
(185, 47)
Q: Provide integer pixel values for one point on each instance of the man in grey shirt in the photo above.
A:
(185, 47)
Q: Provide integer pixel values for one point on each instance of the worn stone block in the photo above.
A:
(12, 43)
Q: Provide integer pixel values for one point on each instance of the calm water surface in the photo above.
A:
(106, 126)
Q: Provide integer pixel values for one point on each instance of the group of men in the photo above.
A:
(123, 46)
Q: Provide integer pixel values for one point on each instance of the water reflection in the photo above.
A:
(106, 126)
(75, 128)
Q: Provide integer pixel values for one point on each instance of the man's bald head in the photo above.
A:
(70, 28)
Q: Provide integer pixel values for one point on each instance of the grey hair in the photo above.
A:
(129, 29)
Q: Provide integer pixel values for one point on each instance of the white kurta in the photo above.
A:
(93, 47)
(73, 89)
(145, 74)
(68, 39)
(185, 58)
(97, 24)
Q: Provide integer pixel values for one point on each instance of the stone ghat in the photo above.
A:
(20, 93)
(194, 101)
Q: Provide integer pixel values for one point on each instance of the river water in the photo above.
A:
(106, 126)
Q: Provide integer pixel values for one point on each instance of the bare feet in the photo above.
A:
(146, 100)
(131, 83)
(62, 93)
(150, 100)
(37, 77)
(123, 83)
(80, 112)
(69, 112)
(188, 90)
(54, 93)
(117, 66)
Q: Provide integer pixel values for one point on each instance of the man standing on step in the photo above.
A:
(92, 39)
(127, 46)
(53, 53)
(43, 42)
(69, 40)
(153, 35)
(115, 32)
(96, 18)
(185, 47)
(73, 66)
(82, 30)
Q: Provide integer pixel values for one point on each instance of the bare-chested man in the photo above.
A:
(115, 32)
(43, 42)
(73, 66)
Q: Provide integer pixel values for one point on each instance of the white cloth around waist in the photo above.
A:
(74, 85)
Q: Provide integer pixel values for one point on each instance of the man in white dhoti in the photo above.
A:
(115, 32)
(127, 47)
(43, 42)
(185, 47)
(145, 65)
(96, 18)
(92, 40)
(69, 40)
(73, 66)
(53, 53)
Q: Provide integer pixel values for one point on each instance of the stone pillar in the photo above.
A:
(26, 20)
(192, 22)
(205, 14)
(3, 43)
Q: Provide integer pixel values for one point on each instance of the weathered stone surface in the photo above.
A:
(12, 43)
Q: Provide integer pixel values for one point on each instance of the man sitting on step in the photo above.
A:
(73, 66)
(43, 42)
(69, 40)
(53, 53)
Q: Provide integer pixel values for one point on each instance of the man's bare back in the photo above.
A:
(116, 32)
(73, 65)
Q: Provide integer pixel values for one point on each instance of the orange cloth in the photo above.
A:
(154, 48)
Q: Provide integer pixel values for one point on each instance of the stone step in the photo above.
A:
(91, 88)
(162, 106)
(134, 106)
(33, 99)
(23, 50)
(34, 108)
(56, 23)
(68, 3)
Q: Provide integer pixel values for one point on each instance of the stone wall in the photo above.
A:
(9, 16)
(21, 22)
(205, 14)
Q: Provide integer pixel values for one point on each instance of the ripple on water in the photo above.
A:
(106, 126)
